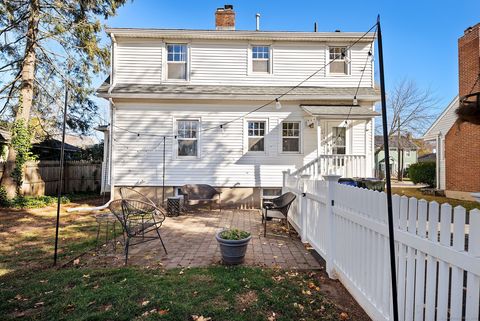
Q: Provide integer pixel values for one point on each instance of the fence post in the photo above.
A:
(303, 207)
(330, 246)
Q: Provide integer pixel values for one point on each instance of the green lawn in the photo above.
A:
(27, 235)
(417, 193)
(219, 293)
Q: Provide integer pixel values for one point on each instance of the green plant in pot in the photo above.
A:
(233, 245)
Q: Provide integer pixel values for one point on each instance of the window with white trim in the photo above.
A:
(291, 137)
(187, 138)
(338, 60)
(256, 136)
(177, 61)
(261, 59)
(339, 145)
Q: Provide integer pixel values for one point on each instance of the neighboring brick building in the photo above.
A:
(462, 142)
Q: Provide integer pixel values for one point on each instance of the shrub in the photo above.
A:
(423, 173)
(4, 201)
(234, 234)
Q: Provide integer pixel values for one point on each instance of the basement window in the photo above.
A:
(338, 60)
(261, 59)
(177, 61)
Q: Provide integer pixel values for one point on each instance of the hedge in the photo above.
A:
(423, 173)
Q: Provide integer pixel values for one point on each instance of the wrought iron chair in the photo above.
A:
(277, 208)
(138, 218)
(200, 193)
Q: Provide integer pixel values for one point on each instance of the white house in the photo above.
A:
(435, 135)
(199, 89)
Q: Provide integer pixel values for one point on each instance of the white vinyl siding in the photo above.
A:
(138, 61)
(228, 63)
(223, 162)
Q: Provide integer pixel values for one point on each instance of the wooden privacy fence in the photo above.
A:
(42, 177)
(437, 249)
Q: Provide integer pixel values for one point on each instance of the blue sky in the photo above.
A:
(420, 37)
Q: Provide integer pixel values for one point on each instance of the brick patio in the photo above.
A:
(190, 241)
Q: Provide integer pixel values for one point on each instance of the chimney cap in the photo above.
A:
(228, 6)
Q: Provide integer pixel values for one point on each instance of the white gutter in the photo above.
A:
(112, 117)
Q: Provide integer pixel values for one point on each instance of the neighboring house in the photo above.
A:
(408, 154)
(184, 84)
(4, 141)
(435, 136)
(49, 149)
(462, 141)
(427, 158)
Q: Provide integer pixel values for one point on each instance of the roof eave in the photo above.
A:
(369, 98)
(239, 35)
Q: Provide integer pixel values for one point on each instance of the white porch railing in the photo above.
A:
(345, 165)
(438, 258)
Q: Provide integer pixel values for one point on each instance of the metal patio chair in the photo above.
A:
(277, 208)
(138, 218)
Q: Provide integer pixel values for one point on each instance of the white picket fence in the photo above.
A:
(438, 258)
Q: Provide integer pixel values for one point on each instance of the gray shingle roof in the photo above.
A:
(237, 91)
(405, 143)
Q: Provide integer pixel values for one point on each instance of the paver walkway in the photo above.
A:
(190, 241)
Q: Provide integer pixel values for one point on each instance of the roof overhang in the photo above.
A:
(339, 111)
(240, 35)
(214, 92)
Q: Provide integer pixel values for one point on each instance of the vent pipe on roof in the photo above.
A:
(314, 27)
(257, 20)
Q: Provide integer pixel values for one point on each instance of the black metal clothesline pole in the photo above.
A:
(60, 182)
(391, 233)
(163, 176)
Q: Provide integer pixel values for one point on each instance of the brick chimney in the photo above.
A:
(469, 61)
(225, 18)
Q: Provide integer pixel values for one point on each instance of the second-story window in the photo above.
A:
(338, 60)
(177, 61)
(261, 59)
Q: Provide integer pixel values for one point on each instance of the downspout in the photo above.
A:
(113, 82)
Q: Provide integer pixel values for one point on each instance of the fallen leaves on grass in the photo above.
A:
(144, 303)
(200, 318)
(344, 316)
(76, 262)
(299, 306)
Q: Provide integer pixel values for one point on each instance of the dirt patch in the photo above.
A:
(337, 295)
(245, 300)
(201, 278)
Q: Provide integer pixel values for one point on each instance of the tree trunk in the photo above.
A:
(26, 94)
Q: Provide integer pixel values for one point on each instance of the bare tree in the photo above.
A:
(410, 110)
